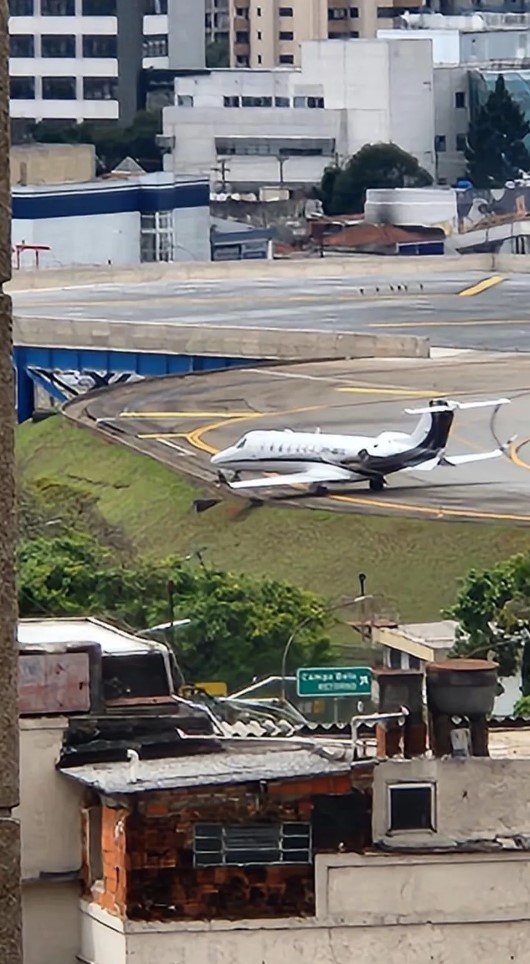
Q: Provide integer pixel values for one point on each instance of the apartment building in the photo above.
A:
(77, 60)
(268, 33)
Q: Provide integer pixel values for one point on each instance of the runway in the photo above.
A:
(457, 309)
(183, 420)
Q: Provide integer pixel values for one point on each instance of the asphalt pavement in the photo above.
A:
(183, 420)
(494, 317)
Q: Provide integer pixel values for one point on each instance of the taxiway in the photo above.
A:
(183, 420)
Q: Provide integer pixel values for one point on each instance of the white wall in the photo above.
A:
(49, 808)
(445, 43)
(374, 908)
(477, 799)
(101, 239)
(51, 923)
(411, 88)
(192, 234)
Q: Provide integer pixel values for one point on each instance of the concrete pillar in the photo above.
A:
(10, 904)
(186, 34)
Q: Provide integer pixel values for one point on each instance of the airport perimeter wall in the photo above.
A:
(357, 266)
(205, 340)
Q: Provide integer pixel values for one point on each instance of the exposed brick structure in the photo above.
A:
(147, 848)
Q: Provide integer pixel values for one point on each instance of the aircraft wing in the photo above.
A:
(454, 460)
(317, 473)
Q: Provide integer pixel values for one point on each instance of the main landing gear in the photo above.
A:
(377, 484)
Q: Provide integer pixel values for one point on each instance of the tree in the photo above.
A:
(239, 625)
(495, 150)
(112, 142)
(343, 189)
(218, 53)
(493, 610)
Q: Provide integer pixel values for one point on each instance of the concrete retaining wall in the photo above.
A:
(357, 266)
(237, 342)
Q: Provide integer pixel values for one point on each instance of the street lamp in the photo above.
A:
(340, 604)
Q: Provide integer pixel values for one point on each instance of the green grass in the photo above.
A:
(414, 562)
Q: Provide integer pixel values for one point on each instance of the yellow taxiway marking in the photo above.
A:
(162, 435)
(406, 392)
(221, 415)
(481, 286)
(469, 322)
(513, 454)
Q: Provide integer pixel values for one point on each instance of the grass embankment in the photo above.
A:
(414, 562)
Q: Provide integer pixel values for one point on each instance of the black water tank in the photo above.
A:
(462, 687)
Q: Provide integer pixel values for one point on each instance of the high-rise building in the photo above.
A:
(268, 33)
(76, 60)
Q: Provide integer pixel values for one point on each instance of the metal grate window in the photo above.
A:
(258, 844)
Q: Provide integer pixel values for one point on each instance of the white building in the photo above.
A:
(152, 217)
(250, 128)
(76, 60)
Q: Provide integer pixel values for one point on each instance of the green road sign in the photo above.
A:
(334, 681)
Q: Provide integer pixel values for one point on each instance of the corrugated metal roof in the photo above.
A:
(211, 769)
(47, 633)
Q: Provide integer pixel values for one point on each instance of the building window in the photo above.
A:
(184, 100)
(57, 8)
(21, 45)
(259, 36)
(286, 11)
(260, 59)
(286, 35)
(242, 12)
(100, 45)
(460, 99)
(286, 59)
(22, 88)
(242, 60)
(354, 12)
(99, 8)
(440, 144)
(157, 242)
(338, 13)
(395, 659)
(155, 46)
(231, 101)
(256, 101)
(100, 88)
(20, 8)
(308, 102)
(387, 13)
(58, 88)
(255, 845)
(242, 36)
(57, 45)
(282, 102)
(155, 7)
(461, 142)
(411, 806)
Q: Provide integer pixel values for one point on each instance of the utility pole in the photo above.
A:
(223, 170)
(10, 900)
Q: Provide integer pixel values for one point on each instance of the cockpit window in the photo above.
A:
(241, 443)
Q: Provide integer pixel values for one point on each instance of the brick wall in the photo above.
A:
(163, 884)
(113, 894)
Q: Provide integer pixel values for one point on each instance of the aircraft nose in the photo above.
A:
(218, 458)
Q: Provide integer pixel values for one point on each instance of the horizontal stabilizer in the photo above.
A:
(451, 406)
(464, 459)
(318, 473)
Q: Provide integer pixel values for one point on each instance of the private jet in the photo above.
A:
(316, 459)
